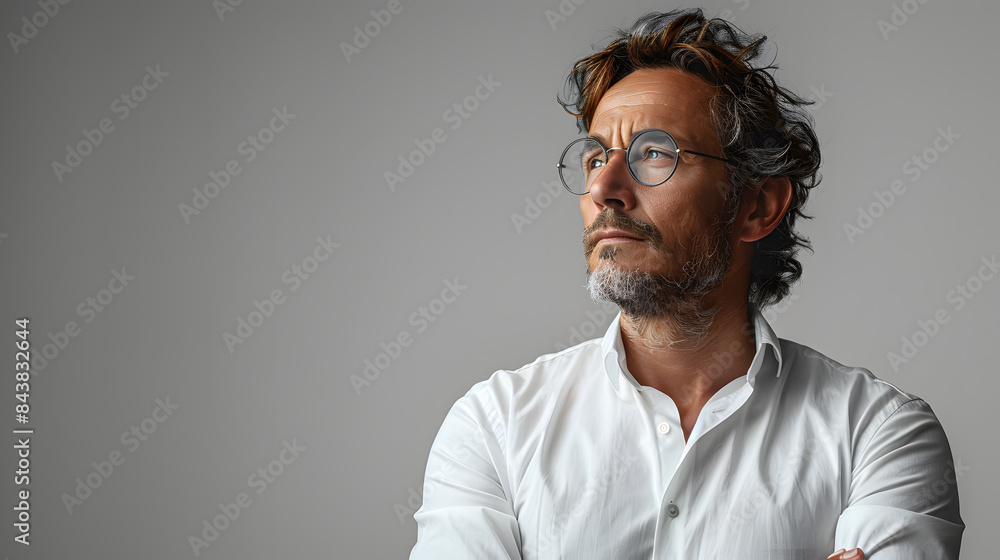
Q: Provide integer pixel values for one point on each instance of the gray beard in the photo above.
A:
(643, 296)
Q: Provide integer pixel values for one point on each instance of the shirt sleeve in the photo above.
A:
(466, 510)
(903, 502)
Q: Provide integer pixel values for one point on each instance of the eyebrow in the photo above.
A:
(678, 137)
(600, 138)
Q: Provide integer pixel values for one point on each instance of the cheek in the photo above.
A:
(683, 218)
(674, 215)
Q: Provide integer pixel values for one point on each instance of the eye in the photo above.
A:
(656, 153)
(592, 160)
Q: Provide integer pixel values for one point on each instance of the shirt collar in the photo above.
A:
(613, 351)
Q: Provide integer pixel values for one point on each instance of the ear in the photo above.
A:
(766, 206)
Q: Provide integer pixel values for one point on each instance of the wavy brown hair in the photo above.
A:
(764, 129)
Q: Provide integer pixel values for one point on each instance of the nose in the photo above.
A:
(614, 187)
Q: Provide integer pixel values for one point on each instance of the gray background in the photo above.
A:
(349, 493)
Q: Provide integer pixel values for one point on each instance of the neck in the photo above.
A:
(690, 369)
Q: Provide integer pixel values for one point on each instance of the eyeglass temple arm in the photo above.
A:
(705, 155)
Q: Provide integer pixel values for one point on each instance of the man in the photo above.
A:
(689, 431)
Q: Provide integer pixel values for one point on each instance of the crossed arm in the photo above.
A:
(902, 505)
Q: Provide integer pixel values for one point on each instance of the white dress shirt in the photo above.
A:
(569, 457)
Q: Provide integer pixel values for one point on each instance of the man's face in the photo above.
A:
(678, 232)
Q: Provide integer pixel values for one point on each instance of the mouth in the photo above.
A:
(614, 231)
(613, 236)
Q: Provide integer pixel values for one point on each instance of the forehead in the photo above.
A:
(664, 98)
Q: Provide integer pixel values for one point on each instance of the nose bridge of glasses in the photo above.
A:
(608, 154)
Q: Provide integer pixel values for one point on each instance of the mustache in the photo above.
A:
(613, 219)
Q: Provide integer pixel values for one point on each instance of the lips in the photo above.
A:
(613, 235)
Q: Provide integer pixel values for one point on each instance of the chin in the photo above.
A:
(617, 260)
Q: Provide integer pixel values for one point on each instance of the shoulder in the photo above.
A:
(806, 366)
(505, 410)
(853, 394)
(532, 385)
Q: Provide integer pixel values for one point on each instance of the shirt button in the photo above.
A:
(664, 428)
(673, 510)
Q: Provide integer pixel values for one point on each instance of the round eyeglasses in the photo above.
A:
(651, 158)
